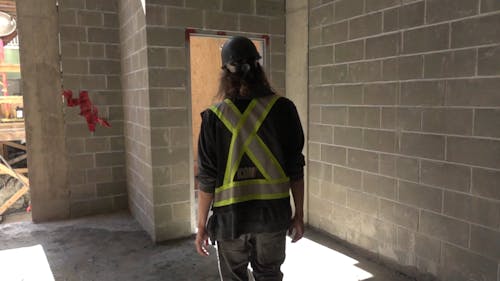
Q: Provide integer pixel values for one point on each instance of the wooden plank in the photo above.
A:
(5, 170)
(10, 68)
(21, 170)
(11, 99)
(17, 159)
(13, 144)
(12, 134)
(13, 199)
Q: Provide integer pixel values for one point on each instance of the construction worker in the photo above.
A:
(249, 157)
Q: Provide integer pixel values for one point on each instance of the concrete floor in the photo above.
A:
(113, 247)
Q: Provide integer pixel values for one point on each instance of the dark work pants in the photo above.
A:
(264, 251)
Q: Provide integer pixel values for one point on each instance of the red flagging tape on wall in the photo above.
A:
(87, 109)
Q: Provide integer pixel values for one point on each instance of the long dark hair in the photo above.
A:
(244, 84)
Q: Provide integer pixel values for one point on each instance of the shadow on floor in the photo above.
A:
(113, 247)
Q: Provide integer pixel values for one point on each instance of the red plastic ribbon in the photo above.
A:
(87, 109)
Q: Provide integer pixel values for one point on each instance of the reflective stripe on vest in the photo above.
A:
(244, 139)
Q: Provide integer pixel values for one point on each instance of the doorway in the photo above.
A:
(14, 186)
(205, 69)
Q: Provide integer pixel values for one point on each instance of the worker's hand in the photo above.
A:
(296, 230)
(201, 242)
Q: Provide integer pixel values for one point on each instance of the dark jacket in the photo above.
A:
(284, 137)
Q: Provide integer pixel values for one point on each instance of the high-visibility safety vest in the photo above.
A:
(244, 126)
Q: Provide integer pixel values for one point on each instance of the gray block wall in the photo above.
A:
(170, 107)
(404, 125)
(90, 60)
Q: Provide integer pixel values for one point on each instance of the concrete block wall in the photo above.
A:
(404, 126)
(90, 60)
(136, 112)
(169, 97)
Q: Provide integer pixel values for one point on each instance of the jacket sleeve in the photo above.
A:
(207, 157)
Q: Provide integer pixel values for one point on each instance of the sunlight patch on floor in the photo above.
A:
(308, 260)
(27, 264)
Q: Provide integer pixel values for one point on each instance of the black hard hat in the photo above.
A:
(239, 48)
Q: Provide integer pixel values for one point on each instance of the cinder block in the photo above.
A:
(119, 173)
(334, 115)
(473, 92)
(489, 6)
(489, 61)
(364, 26)
(120, 203)
(321, 16)
(423, 145)
(411, 15)
(382, 231)
(321, 55)
(77, 130)
(315, 74)
(334, 74)
(444, 228)
(67, 17)
(183, 17)
(171, 193)
(163, 214)
(347, 9)
(379, 185)
(90, 18)
(75, 145)
(73, 33)
(473, 209)
(320, 208)
(485, 241)
(315, 36)
(485, 183)
(109, 159)
(487, 122)
(347, 94)
(103, 35)
(366, 71)
(72, 4)
(321, 95)
(178, 136)
(481, 152)
(238, 6)
(346, 136)
(458, 262)
(362, 240)
(104, 67)
(167, 78)
(176, 57)
(278, 80)
(423, 93)
(381, 94)
(391, 19)
(160, 36)
(314, 151)
(314, 114)
(348, 218)
(278, 62)
(347, 177)
(270, 7)
(204, 4)
(157, 57)
(113, 82)
(362, 202)
(91, 50)
(155, 15)
(475, 31)
(334, 193)
(319, 170)
(383, 46)
(112, 188)
(169, 156)
(420, 196)
(333, 154)
(81, 161)
(277, 26)
(379, 140)
(82, 192)
(109, 6)
(364, 117)
(450, 9)
(446, 175)
(403, 68)
(334, 33)
(447, 121)
(362, 160)
(427, 247)
(375, 5)
(97, 144)
(220, 21)
(450, 64)
(388, 118)
(350, 51)
(426, 39)
(399, 214)
(321, 133)
(182, 211)
(162, 175)
(75, 66)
